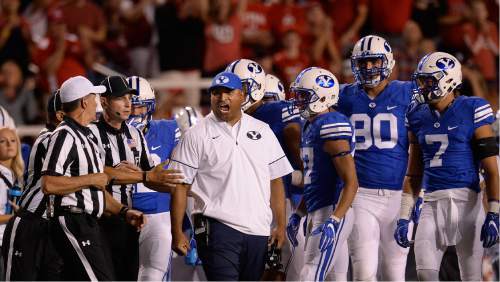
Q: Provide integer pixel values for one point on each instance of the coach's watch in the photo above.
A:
(123, 212)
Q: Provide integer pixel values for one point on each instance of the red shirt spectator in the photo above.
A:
(290, 61)
(389, 16)
(348, 17)
(82, 13)
(222, 38)
(256, 28)
(481, 37)
(450, 28)
(286, 16)
(47, 55)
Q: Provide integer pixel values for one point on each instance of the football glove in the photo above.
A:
(293, 228)
(417, 209)
(328, 232)
(489, 231)
(401, 233)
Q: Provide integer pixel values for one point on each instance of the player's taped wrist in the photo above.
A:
(493, 206)
(297, 177)
(407, 204)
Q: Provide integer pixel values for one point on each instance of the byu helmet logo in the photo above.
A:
(325, 81)
(222, 79)
(445, 63)
(254, 135)
(254, 68)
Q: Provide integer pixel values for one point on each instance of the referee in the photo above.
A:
(237, 164)
(73, 172)
(28, 255)
(123, 146)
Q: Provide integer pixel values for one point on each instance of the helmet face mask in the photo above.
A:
(437, 75)
(253, 78)
(145, 98)
(313, 91)
(275, 91)
(377, 51)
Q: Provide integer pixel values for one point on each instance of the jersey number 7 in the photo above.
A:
(437, 138)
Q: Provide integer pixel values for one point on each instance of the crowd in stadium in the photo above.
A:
(44, 42)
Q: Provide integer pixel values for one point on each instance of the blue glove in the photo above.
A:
(328, 232)
(191, 257)
(489, 231)
(293, 228)
(401, 233)
(415, 215)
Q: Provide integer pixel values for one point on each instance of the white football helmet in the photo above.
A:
(368, 48)
(274, 88)
(314, 91)
(145, 97)
(252, 77)
(437, 75)
(187, 117)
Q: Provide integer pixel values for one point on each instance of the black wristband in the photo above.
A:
(144, 176)
(123, 211)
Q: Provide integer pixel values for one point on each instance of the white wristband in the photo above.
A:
(297, 177)
(493, 206)
(407, 203)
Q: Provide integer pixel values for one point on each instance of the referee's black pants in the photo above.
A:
(27, 251)
(77, 238)
(229, 255)
(123, 243)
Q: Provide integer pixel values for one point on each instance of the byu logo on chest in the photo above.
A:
(254, 135)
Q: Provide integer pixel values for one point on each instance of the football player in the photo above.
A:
(450, 137)
(330, 181)
(376, 108)
(161, 136)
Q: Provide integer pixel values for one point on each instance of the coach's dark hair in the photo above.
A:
(71, 106)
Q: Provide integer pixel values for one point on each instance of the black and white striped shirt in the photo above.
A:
(73, 151)
(33, 199)
(124, 144)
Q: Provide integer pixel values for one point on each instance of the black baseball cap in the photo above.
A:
(117, 86)
(54, 104)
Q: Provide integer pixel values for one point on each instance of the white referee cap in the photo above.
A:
(78, 87)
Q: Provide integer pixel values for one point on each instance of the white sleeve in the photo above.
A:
(185, 157)
(278, 162)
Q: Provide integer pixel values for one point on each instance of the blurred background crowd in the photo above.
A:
(44, 42)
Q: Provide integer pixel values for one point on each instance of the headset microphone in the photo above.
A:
(117, 113)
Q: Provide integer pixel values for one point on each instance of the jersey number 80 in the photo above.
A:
(371, 131)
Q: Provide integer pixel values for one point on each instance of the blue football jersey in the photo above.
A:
(446, 139)
(277, 116)
(322, 185)
(381, 136)
(162, 136)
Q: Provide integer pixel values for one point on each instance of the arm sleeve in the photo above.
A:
(335, 130)
(59, 153)
(289, 114)
(186, 157)
(278, 162)
(483, 114)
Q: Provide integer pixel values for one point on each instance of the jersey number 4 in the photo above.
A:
(370, 131)
(437, 138)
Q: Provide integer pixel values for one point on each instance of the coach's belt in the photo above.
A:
(72, 209)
